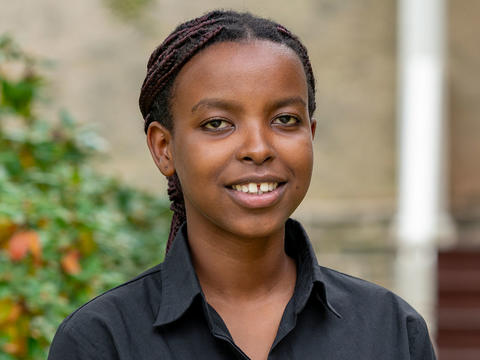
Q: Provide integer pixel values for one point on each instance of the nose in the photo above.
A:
(256, 146)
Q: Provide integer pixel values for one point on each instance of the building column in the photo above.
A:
(422, 218)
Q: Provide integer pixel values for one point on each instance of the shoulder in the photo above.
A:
(364, 305)
(142, 290)
(130, 307)
(353, 294)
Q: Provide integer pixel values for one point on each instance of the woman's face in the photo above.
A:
(242, 141)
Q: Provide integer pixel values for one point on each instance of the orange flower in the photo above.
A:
(23, 242)
(70, 262)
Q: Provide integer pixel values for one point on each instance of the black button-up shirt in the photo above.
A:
(163, 314)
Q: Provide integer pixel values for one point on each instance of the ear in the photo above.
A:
(159, 141)
(313, 127)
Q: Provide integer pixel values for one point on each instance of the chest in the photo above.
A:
(254, 327)
(315, 333)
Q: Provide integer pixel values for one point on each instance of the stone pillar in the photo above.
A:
(422, 218)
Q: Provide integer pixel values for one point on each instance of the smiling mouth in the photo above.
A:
(256, 188)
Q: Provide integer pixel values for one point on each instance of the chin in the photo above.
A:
(256, 228)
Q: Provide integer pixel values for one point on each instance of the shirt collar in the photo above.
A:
(180, 285)
(309, 274)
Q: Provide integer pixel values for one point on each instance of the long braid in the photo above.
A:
(177, 205)
(178, 48)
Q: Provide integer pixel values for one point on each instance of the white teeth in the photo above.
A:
(254, 188)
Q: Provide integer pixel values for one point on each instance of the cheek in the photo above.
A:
(299, 154)
(198, 161)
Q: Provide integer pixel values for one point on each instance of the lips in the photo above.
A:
(256, 193)
(255, 188)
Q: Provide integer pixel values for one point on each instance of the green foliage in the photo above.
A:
(66, 232)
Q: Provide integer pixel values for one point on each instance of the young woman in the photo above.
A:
(228, 102)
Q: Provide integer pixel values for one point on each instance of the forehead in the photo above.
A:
(233, 68)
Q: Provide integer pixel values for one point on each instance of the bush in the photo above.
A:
(66, 232)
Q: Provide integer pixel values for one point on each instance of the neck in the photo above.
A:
(235, 269)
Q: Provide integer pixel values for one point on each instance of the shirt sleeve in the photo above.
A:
(421, 347)
(66, 346)
(72, 343)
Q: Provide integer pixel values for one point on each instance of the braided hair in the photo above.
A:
(179, 47)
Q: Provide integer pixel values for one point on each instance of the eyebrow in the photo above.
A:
(216, 103)
(294, 100)
(233, 105)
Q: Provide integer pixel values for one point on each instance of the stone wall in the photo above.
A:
(464, 116)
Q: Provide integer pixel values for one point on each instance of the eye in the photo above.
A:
(288, 120)
(216, 124)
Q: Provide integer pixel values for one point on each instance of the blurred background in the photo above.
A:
(365, 211)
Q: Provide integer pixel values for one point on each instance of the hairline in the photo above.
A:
(249, 39)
